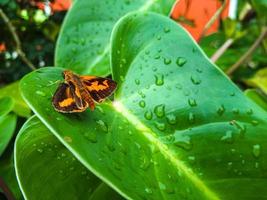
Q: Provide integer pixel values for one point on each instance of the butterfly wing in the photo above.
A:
(64, 101)
(99, 88)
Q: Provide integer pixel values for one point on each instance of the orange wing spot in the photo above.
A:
(66, 102)
(95, 86)
(87, 78)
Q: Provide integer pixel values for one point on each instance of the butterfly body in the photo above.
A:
(77, 93)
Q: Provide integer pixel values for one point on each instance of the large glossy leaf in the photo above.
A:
(84, 40)
(178, 128)
(47, 170)
(12, 91)
(7, 128)
(6, 105)
(7, 174)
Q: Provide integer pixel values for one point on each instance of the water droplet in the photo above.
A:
(255, 122)
(167, 30)
(142, 103)
(162, 186)
(191, 159)
(181, 61)
(148, 115)
(160, 126)
(144, 161)
(171, 119)
(40, 93)
(256, 150)
(191, 117)
(232, 94)
(256, 165)
(159, 79)
(199, 70)
(157, 56)
(137, 81)
(170, 138)
(122, 78)
(40, 150)
(158, 37)
(192, 102)
(160, 110)
(103, 126)
(67, 139)
(195, 80)
(167, 61)
(235, 111)
(182, 141)
(250, 111)
(228, 137)
(91, 136)
(221, 110)
(148, 191)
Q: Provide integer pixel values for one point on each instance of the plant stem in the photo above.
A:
(19, 50)
(6, 190)
(222, 49)
(249, 52)
(213, 19)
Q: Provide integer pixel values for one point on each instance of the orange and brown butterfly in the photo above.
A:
(77, 93)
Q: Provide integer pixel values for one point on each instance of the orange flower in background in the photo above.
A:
(56, 5)
(195, 14)
(2, 47)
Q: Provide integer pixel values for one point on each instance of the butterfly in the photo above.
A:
(77, 93)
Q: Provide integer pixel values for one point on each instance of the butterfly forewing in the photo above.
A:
(99, 88)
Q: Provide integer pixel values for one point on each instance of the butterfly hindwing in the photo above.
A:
(64, 101)
(99, 88)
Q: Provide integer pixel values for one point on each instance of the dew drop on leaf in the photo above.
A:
(171, 119)
(40, 150)
(159, 79)
(142, 103)
(167, 61)
(182, 141)
(148, 191)
(91, 136)
(181, 61)
(228, 137)
(137, 81)
(235, 111)
(148, 115)
(192, 102)
(191, 117)
(40, 93)
(160, 126)
(221, 110)
(256, 150)
(195, 80)
(160, 110)
(167, 30)
(102, 125)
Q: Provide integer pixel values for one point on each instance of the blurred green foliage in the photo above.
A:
(37, 32)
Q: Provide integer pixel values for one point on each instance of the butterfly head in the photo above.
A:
(67, 75)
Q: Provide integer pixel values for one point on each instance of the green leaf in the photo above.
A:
(7, 172)
(20, 107)
(52, 171)
(260, 6)
(7, 129)
(257, 97)
(84, 41)
(178, 127)
(259, 80)
(6, 105)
